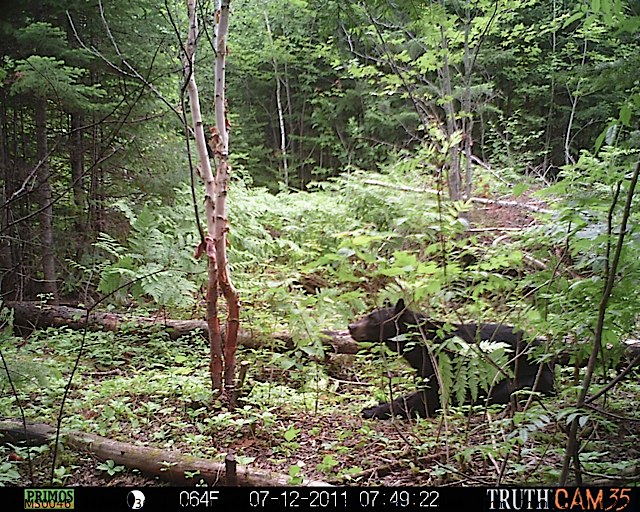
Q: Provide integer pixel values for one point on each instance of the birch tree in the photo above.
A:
(283, 137)
(216, 189)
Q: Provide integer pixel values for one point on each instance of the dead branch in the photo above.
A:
(493, 228)
(480, 200)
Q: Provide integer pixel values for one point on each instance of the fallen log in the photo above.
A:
(169, 466)
(34, 315)
(480, 200)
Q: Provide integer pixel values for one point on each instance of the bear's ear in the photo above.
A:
(399, 306)
(386, 303)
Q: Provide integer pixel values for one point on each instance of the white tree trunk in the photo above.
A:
(454, 177)
(283, 137)
(216, 189)
(220, 145)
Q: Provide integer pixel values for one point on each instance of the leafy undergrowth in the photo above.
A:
(144, 388)
(309, 262)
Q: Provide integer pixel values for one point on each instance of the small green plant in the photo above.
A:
(9, 473)
(110, 467)
(290, 446)
(62, 474)
(327, 464)
(295, 474)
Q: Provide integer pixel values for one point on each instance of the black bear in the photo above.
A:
(389, 323)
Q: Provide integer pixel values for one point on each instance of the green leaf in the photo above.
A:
(519, 189)
(362, 240)
(294, 470)
(625, 114)
(345, 252)
(391, 272)
(573, 18)
(328, 460)
(291, 434)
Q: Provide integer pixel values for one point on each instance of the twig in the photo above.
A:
(614, 381)
(494, 228)
(610, 414)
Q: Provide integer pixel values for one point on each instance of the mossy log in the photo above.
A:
(31, 315)
(169, 466)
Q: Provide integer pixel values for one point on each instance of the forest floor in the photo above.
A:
(313, 428)
(335, 445)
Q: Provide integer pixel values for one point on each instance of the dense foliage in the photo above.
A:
(91, 92)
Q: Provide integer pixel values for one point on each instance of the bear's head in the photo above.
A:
(385, 323)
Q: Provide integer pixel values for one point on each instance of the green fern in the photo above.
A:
(465, 369)
(24, 372)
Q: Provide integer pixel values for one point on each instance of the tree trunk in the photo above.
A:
(15, 205)
(548, 131)
(7, 277)
(76, 160)
(480, 200)
(454, 177)
(574, 98)
(216, 190)
(215, 339)
(96, 218)
(46, 215)
(170, 466)
(33, 315)
(467, 120)
(213, 322)
(283, 137)
(221, 150)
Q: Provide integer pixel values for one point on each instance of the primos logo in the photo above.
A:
(49, 498)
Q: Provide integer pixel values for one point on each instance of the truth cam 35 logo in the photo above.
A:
(570, 499)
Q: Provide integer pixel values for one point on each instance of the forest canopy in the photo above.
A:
(461, 91)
